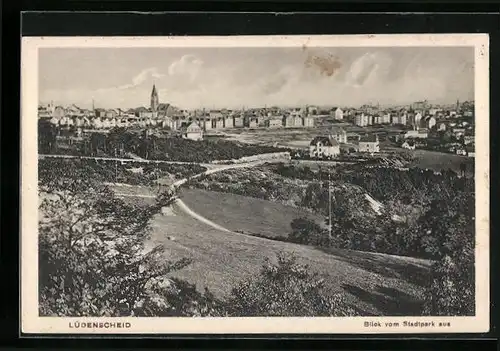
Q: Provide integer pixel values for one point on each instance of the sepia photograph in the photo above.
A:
(301, 184)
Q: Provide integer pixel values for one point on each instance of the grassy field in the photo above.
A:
(374, 284)
(246, 214)
(439, 161)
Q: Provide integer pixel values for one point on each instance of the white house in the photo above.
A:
(193, 132)
(323, 147)
(369, 144)
(431, 122)
(340, 135)
(339, 114)
(422, 134)
(417, 119)
(408, 145)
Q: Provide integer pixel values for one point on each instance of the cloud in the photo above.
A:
(142, 77)
(368, 69)
(373, 75)
(187, 65)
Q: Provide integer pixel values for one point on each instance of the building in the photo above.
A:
(470, 150)
(403, 119)
(292, 121)
(339, 114)
(416, 120)
(431, 122)
(193, 131)
(238, 122)
(409, 145)
(369, 144)
(469, 137)
(362, 120)
(416, 134)
(253, 122)
(308, 122)
(274, 122)
(324, 147)
(219, 123)
(228, 122)
(458, 132)
(59, 112)
(386, 118)
(155, 101)
(420, 105)
(340, 135)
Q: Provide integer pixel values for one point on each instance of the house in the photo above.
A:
(59, 112)
(442, 126)
(458, 132)
(97, 123)
(238, 122)
(386, 118)
(339, 135)
(54, 121)
(254, 122)
(369, 143)
(339, 114)
(111, 113)
(308, 122)
(324, 147)
(409, 145)
(228, 122)
(468, 138)
(416, 120)
(416, 134)
(470, 150)
(274, 122)
(362, 120)
(431, 122)
(193, 131)
(401, 119)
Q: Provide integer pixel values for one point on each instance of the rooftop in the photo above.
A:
(328, 141)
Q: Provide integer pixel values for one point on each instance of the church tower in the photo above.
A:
(154, 100)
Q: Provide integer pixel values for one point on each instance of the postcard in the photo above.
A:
(325, 184)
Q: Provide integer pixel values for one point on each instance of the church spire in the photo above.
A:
(154, 99)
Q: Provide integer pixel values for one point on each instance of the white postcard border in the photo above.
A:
(32, 323)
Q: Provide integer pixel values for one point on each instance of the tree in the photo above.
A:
(450, 240)
(286, 288)
(92, 257)
(305, 231)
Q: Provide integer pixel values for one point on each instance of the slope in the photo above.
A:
(375, 284)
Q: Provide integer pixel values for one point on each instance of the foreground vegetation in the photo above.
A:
(423, 214)
(93, 261)
(149, 144)
(133, 173)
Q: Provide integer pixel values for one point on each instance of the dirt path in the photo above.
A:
(183, 207)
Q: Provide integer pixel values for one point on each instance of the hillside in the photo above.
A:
(375, 284)
(245, 214)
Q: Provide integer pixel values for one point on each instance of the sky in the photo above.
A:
(255, 77)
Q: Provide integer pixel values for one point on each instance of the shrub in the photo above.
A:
(285, 289)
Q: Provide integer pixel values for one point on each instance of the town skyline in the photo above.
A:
(256, 77)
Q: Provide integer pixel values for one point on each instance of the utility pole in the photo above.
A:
(329, 208)
(116, 168)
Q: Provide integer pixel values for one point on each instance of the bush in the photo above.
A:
(285, 289)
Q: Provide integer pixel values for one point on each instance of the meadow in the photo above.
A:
(245, 214)
(374, 284)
